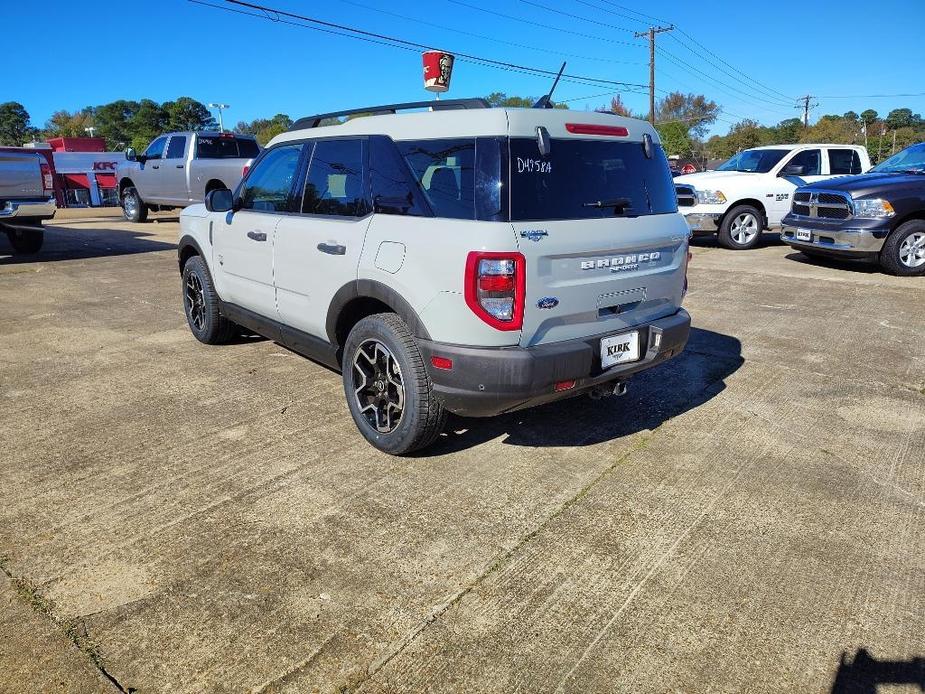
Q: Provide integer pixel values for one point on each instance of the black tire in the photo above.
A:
(377, 343)
(730, 233)
(201, 305)
(26, 241)
(903, 248)
(133, 207)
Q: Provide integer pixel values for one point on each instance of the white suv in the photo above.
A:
(464, 258)
(751, 192)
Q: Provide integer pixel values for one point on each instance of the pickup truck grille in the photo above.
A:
(686, 197)
(821, 205)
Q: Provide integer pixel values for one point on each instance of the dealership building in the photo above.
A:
(84, 172)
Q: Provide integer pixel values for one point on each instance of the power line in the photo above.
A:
(872, 96)
(576, 16)
(651, 36)
(276, 15)
(806, 106)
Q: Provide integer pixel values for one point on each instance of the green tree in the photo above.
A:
(114, 121)
(265, 129)
(14, 124)
(787, 131)
(868, 116)
(618, 107)
(851, 116)
(66, 124)
(695, 110)
(502, 100)
(902, 118)
(675, 138)
(149, 120)
(188, 114)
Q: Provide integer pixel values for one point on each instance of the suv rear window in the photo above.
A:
(579, 173)
(226, 148)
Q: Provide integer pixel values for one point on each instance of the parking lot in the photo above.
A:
(183, 518)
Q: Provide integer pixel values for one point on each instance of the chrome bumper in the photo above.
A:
(703, 221)
(44, 209)
(840, 241)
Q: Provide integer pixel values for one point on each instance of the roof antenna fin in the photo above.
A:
(546, 101)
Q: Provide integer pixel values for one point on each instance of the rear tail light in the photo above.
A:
(47, 183)
(595, 129)
(247, 167)
(495, 286)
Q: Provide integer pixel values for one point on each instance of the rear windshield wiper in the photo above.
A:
(619, 203)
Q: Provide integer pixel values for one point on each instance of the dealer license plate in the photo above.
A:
(619, 349)
(804, 235)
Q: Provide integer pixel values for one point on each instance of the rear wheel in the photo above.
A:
(201, 305)
(904, 250)
(133, 207)
(388, 389)
(741, 228)
(26, 241)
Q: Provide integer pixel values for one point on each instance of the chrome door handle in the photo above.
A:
(332, 248)
(257, 235)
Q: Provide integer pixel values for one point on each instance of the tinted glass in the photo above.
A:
(844, 161)
(269, 184)
(394, 191)
(445, 170)
(176, 148)
(156, 149)
(226, 147)
(810, 160)
(247, 149)
(910, 159)
(334, 184)
(754, 160)
(578, 174)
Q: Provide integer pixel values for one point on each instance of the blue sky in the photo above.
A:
(91, 52)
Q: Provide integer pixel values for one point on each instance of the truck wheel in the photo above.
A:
(133, 208)
(904, 250)
(741, 228)
(200, 304)
(26, 241)
(388, 389)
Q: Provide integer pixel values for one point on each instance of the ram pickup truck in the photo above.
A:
(27, 197)
(178, 169)
(752, 191)
(878, 216)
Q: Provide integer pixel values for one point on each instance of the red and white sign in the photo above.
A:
(688, 168)
(438, 68)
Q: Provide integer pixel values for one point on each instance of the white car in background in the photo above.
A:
(752, 191)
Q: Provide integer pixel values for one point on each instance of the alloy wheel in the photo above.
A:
(195, 300)
(912, 250)
(130, 204)
(378, 386)
(744, 228)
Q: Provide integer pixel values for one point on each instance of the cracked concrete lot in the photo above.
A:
(183, 518)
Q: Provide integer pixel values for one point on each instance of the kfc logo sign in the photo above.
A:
(104, 166)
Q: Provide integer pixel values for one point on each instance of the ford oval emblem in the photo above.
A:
(547, 302)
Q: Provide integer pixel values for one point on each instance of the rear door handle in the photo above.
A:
(257, 235)
(332, 248)
(179, 166)
(155, 166)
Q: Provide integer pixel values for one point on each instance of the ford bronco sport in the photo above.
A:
(462, 259)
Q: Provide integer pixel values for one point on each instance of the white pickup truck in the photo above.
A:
(179, 169)
(752, 191)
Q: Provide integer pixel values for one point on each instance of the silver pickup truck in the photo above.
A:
(27, 197)
(178, 169)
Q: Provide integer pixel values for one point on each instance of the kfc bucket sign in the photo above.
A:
(438, 68)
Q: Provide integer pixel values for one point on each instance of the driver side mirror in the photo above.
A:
(221, 200)
(793, 170)
(130, 154)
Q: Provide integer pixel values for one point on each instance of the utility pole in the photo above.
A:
(806, 106)
(220, 107)
(893, 150)
(651, 36)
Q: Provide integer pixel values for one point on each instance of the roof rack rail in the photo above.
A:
(446, 105)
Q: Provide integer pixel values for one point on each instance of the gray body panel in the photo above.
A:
(20, 175)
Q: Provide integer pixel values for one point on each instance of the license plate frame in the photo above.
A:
(621, 348)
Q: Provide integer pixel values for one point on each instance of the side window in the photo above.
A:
(156, 149)
(269, 186)
(844, 162)
(176, 147)
(810, 160)
(445, 170)
(334, 184)
(393, 189)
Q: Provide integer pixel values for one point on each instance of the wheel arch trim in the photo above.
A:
(372, 289)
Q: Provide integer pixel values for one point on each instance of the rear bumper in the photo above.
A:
(854, 241)
(488, 381)
(28, 209)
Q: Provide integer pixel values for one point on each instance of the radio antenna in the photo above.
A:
(546, 100)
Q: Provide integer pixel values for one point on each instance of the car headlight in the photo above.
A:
(873, 208)
(710, 197)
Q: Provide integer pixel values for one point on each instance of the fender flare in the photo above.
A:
(186, 242)
(372, 289)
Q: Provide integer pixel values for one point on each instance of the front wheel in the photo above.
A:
(741, 228)
(26, 241)
(388, 389)
(904, 250)
(201, 305)
(133, 207)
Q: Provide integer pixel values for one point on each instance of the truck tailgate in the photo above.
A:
(20, 175)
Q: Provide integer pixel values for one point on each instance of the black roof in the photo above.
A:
(446, 105)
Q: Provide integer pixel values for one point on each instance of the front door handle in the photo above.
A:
(257, 235)
(155, 166)
(332, 248)
(179, 166)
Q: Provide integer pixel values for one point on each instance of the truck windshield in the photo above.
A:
(754, 161)
(911, 159)
(588, 179)
(226, 148)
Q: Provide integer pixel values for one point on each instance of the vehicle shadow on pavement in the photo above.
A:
(864, 674)
(865, 267)
(75, 244)
(768, 238)
(654, 396)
